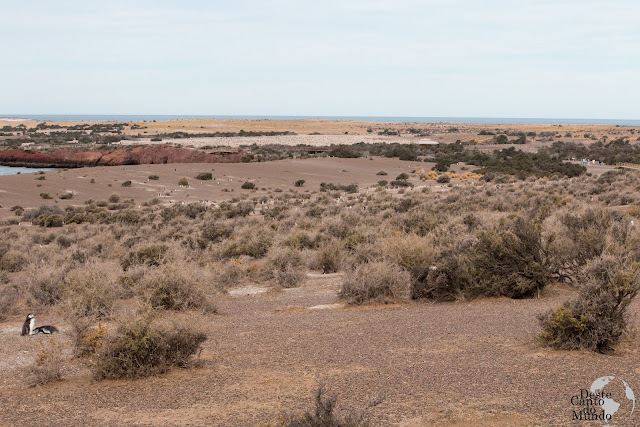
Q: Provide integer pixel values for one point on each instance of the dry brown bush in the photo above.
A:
(141, 347)
(92, 291)
(290, 277)
(176, 287)
(378, 281)
(408, 250)
(329, 257)
(47, 367)
(45, 284)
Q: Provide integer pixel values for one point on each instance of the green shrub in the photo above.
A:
(66, 196)
(114, 198)
(381, 173)
(376, 281)
(126, 184)
(402, 177)
(247, 185)
(299, 183)
(183, 182)
(153, 177)
(443, 179)
(204, 176)
(597, 319)
(45, 196)
(140, 348)
(383, 183)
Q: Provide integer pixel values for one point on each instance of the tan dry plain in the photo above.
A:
(447, 364)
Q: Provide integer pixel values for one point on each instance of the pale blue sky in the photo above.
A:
(494, 58)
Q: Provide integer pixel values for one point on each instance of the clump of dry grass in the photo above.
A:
(47, 367)
(378, 281)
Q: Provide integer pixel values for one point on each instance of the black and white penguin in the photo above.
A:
(46, 329)
(29, 324)
(28, 328)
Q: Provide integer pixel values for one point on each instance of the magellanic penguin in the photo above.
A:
(28, 328)
(29, 324)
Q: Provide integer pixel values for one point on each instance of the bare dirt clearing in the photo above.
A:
(433, 364)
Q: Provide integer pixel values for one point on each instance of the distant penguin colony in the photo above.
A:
(28, 328)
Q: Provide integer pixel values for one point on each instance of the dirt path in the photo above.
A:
(432, 364)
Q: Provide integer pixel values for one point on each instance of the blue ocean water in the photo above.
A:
(10, 170)
(390, 119)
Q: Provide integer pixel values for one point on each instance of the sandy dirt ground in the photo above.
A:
(472, 364)
(25, 189)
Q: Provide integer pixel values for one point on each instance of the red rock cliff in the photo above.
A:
(113, 157)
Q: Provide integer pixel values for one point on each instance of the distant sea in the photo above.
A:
(11, 170)
(390, 119)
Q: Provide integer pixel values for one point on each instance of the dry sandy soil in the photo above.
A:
(25, 189)
(431, 364)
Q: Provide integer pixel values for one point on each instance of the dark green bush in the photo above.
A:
(247, 185)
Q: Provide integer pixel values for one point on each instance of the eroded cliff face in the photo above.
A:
(113, 157)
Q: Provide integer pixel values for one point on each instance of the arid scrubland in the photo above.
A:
(129, 282)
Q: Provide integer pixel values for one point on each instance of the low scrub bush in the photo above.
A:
(47, 367)
(447, 280)
(290, 277)
(377, 281)
(45, 285)
(509, 260)
(324, 414)
(150, 255)
(597, 319)
(176, 288)
(126, 183)
(141, 347)
(205, 176)
(153, 177)
(247, 185)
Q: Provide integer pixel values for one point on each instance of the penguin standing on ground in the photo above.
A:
(28, 328)
(29, 324)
